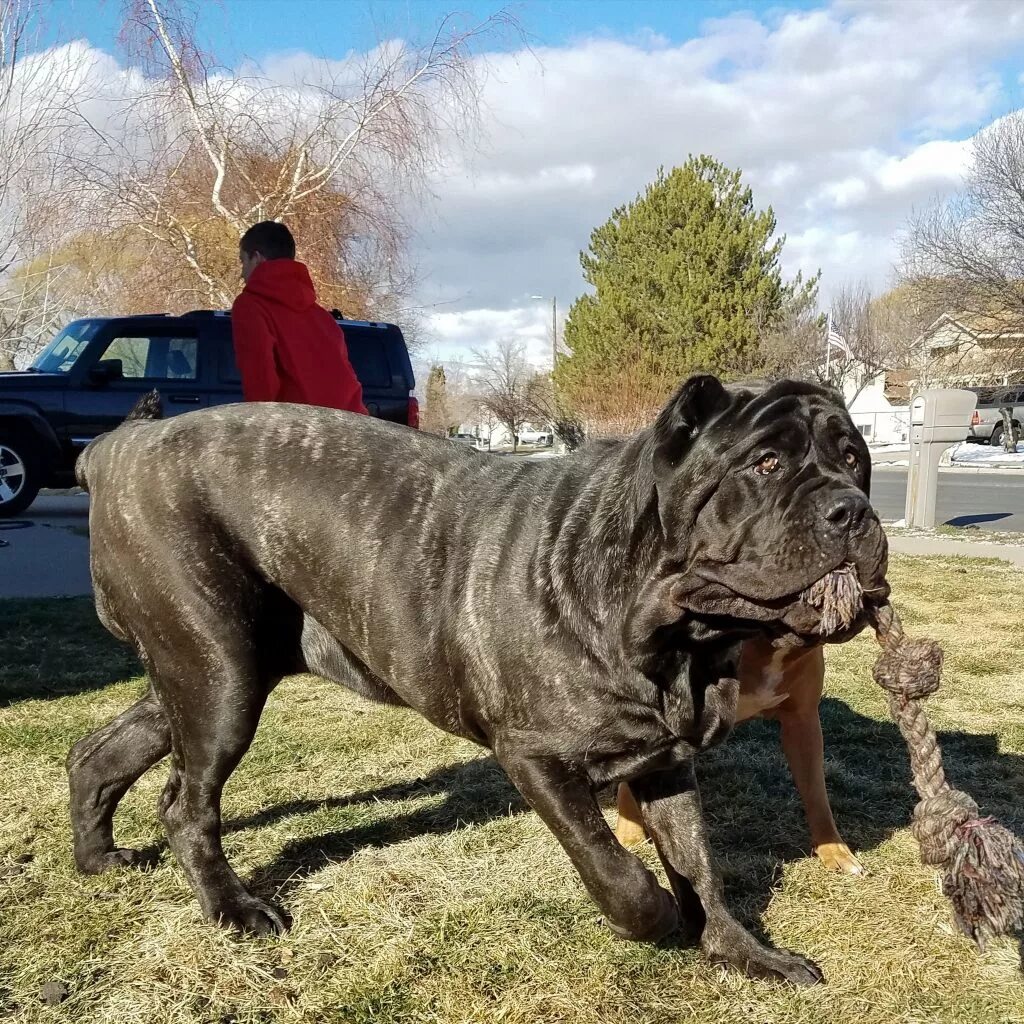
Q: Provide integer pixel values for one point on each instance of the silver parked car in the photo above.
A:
(987, 422)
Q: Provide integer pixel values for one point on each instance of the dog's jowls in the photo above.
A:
(581, 617)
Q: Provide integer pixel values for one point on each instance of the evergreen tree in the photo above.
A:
(436, 415)
(686, 278)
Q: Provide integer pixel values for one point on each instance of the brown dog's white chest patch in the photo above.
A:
(762, 689)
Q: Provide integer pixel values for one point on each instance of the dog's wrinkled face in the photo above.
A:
(763, 500)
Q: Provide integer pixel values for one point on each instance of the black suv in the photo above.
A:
(88, 378)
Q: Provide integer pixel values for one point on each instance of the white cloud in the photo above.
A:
(843, 119)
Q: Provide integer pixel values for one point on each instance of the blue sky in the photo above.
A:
(258, 28)
(845, 116)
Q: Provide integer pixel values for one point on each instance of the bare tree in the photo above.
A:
(201, 153)
(877, 334)
(34, 112)
(506, 385)
(965, 256)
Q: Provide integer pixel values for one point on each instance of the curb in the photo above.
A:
(893, 467)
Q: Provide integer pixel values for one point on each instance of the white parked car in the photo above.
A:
(535, 437)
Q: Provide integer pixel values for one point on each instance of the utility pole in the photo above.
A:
(554, 333)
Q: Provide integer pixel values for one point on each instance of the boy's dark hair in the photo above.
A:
(273, 241)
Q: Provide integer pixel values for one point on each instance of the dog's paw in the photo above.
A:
(839, 857)
(766, 964)
(251, 916)
(97, 863)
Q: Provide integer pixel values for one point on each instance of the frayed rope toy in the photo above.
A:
(981, 862)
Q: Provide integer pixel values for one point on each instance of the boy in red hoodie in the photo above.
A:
(288, 348)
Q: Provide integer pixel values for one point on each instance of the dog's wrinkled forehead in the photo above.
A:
(760, 406)
(759, 398)
(710, 432)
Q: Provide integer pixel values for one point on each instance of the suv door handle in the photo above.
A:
(184, 399)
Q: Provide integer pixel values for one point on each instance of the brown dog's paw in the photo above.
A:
(839, 857)
(251, 916)
(629, 833)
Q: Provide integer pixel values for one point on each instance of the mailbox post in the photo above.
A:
(939, 417)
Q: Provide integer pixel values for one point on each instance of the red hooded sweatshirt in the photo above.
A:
(288, 348)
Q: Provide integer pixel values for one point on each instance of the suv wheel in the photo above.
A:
(20, 478)
(996, 439)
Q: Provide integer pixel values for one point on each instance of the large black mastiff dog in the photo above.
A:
(581, 617)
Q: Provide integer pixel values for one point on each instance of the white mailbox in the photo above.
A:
(939, 417)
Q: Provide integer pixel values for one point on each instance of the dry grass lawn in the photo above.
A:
(423, 891)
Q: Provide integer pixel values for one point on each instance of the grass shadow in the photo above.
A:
(53, 647)
(757, 823)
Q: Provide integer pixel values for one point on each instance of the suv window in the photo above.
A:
(62, 353)
(367, 352)
(155, 358)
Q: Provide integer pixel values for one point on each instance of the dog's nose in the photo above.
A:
(847, 510)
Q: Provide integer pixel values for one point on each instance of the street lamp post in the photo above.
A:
(554, 328)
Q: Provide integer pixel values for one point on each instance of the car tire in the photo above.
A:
(21, 474)
(996, 438)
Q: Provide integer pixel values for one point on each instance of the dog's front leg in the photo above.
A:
(672, 813)
(634, 905)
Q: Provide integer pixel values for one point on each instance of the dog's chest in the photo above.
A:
(761, 687)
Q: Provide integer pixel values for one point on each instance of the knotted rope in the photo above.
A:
(981, 862)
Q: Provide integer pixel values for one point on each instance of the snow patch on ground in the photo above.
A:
(965, 454)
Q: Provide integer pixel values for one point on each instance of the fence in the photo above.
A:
(885, 427)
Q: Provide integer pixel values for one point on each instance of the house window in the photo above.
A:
(865, 429)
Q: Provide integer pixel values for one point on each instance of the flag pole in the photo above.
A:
(828, 347)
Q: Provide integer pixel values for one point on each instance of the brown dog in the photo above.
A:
(786, 685)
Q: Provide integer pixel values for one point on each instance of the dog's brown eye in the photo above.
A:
(851, 459)
(767, 465)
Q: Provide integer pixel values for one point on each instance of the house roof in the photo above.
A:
(992, 330)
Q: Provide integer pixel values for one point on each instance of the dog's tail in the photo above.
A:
(148, 407)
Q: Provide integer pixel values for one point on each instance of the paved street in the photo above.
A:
(45, 553)
(46, 550)
(993, 501)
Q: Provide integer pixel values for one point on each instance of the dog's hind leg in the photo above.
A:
(102, 767)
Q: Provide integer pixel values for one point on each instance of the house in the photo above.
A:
(876, 408)
(964, 349)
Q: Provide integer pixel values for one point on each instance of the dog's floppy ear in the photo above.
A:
(698, 401)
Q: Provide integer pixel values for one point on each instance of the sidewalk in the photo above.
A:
(1013, 553)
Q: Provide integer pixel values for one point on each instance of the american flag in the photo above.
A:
(834, 337)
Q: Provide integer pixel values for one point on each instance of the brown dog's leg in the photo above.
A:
(629, 828)
(804, 747)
